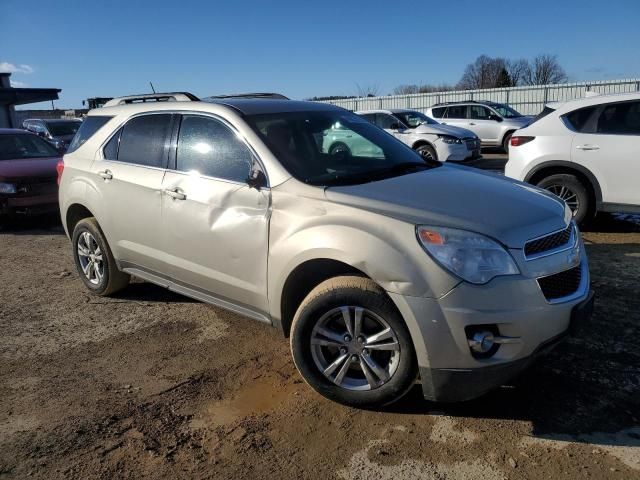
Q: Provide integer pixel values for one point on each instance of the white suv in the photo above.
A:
(585, 151)
(426, 136)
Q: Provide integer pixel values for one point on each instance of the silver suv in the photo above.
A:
(382, 268)
(493, 122)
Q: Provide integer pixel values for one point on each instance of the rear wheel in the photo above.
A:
(94, 261)
(570, 189)
(427, 152)
(340, 149)
(351, 345)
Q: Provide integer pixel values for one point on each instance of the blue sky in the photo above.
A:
(299, 48)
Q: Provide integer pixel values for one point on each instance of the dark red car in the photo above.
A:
(27, 173)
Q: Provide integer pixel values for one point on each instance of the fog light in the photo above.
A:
(482, 342)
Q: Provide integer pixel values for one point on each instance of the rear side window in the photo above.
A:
(90, 125)
(110, 150)
(620, 118)
(438, 112)
(579, 120)
(207, 146)
(457, 111)
(145, 140)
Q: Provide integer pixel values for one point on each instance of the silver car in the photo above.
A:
(382, 268)
(493, 122)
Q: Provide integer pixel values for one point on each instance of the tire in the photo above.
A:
(339, 148)
(352, 382)
(427, 152)
(571, 190)
(94, 261)
(506, 141)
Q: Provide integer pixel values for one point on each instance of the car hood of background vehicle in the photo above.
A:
(460, 197)
(28, 167)
(444, 130)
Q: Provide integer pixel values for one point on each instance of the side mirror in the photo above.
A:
(495, 118)
(257, 179)
(42, 134)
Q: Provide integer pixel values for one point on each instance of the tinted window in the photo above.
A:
(369, 117)
(386, 121)
(110, 150)
(143, 140)
(478, 112)
(620, 118)
(210, 148)
(578, 119)
(438, 112)
(24, 145)
(63, 127)
(457, 111)
(89, 126)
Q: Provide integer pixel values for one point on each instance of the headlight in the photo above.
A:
(471, 256)
(450, 140)
(7, 188)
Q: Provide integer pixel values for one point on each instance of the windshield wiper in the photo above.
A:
(379, 174)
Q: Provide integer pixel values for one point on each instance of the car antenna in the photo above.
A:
(152, 89)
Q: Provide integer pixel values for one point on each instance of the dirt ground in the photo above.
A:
(150, 384)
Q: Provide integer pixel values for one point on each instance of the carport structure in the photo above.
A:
(10, 97)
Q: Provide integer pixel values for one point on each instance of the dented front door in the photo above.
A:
(216, 236)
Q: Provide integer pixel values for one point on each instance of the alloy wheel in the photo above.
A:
(565, 193)
(355, 348)
(90, 256)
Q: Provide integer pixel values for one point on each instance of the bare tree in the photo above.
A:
(406, 89)
(517, 70)
(484, 72)
(545, 70)
(369, 90)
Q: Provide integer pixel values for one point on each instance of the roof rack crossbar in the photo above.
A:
(278, 96)
(153, 97)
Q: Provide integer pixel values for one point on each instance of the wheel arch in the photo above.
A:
(559, 167)
(75, 212)
(421, 142)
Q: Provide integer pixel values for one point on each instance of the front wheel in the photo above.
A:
(351, 345)
(427, 152)
(570, 189)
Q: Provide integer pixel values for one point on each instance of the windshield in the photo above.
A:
(61, 128)
(505, 110)
(25, 146)
(414, 119)
(334, 147)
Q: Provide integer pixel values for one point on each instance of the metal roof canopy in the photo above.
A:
(21, 96)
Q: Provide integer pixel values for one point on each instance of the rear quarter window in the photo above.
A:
(90, 125)
(579, 120)
(438, 112)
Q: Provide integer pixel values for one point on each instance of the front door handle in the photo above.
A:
(106, 174)
(588, 147)
(176, 194)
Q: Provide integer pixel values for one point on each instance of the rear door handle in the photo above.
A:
(176, 194)
(106, 174)
(588, 147)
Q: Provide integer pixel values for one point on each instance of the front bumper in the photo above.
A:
(514, 306)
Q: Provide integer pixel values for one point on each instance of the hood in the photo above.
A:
(445, 130)
(28, 167)
(460, 197)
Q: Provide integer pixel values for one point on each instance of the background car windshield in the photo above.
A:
(414, 119)
(24, 146)
(333, 147)
(63, 128)
(506, 111)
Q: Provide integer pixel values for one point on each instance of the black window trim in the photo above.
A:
(118, 131)
(596, 114)
(174, 148)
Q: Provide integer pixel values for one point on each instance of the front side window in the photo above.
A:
(210, 148)
(145, 140)
(386, 121)
(457, 111)
(620, 118)
(414, 119)
(478, 112)
(505, 111)
(25, 145)
(305, 144)
(88, 128)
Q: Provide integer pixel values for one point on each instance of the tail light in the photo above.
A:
(517, 141)
(60, 169)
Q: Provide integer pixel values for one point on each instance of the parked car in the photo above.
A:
(585, 151)
(493, 122)
(27, 173)
(379, 268)
(58, 132)
(426, 136)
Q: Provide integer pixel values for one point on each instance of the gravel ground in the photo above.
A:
(150, 384)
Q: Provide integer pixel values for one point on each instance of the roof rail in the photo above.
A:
(457, 102)
(153, 97)
(277, 96)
